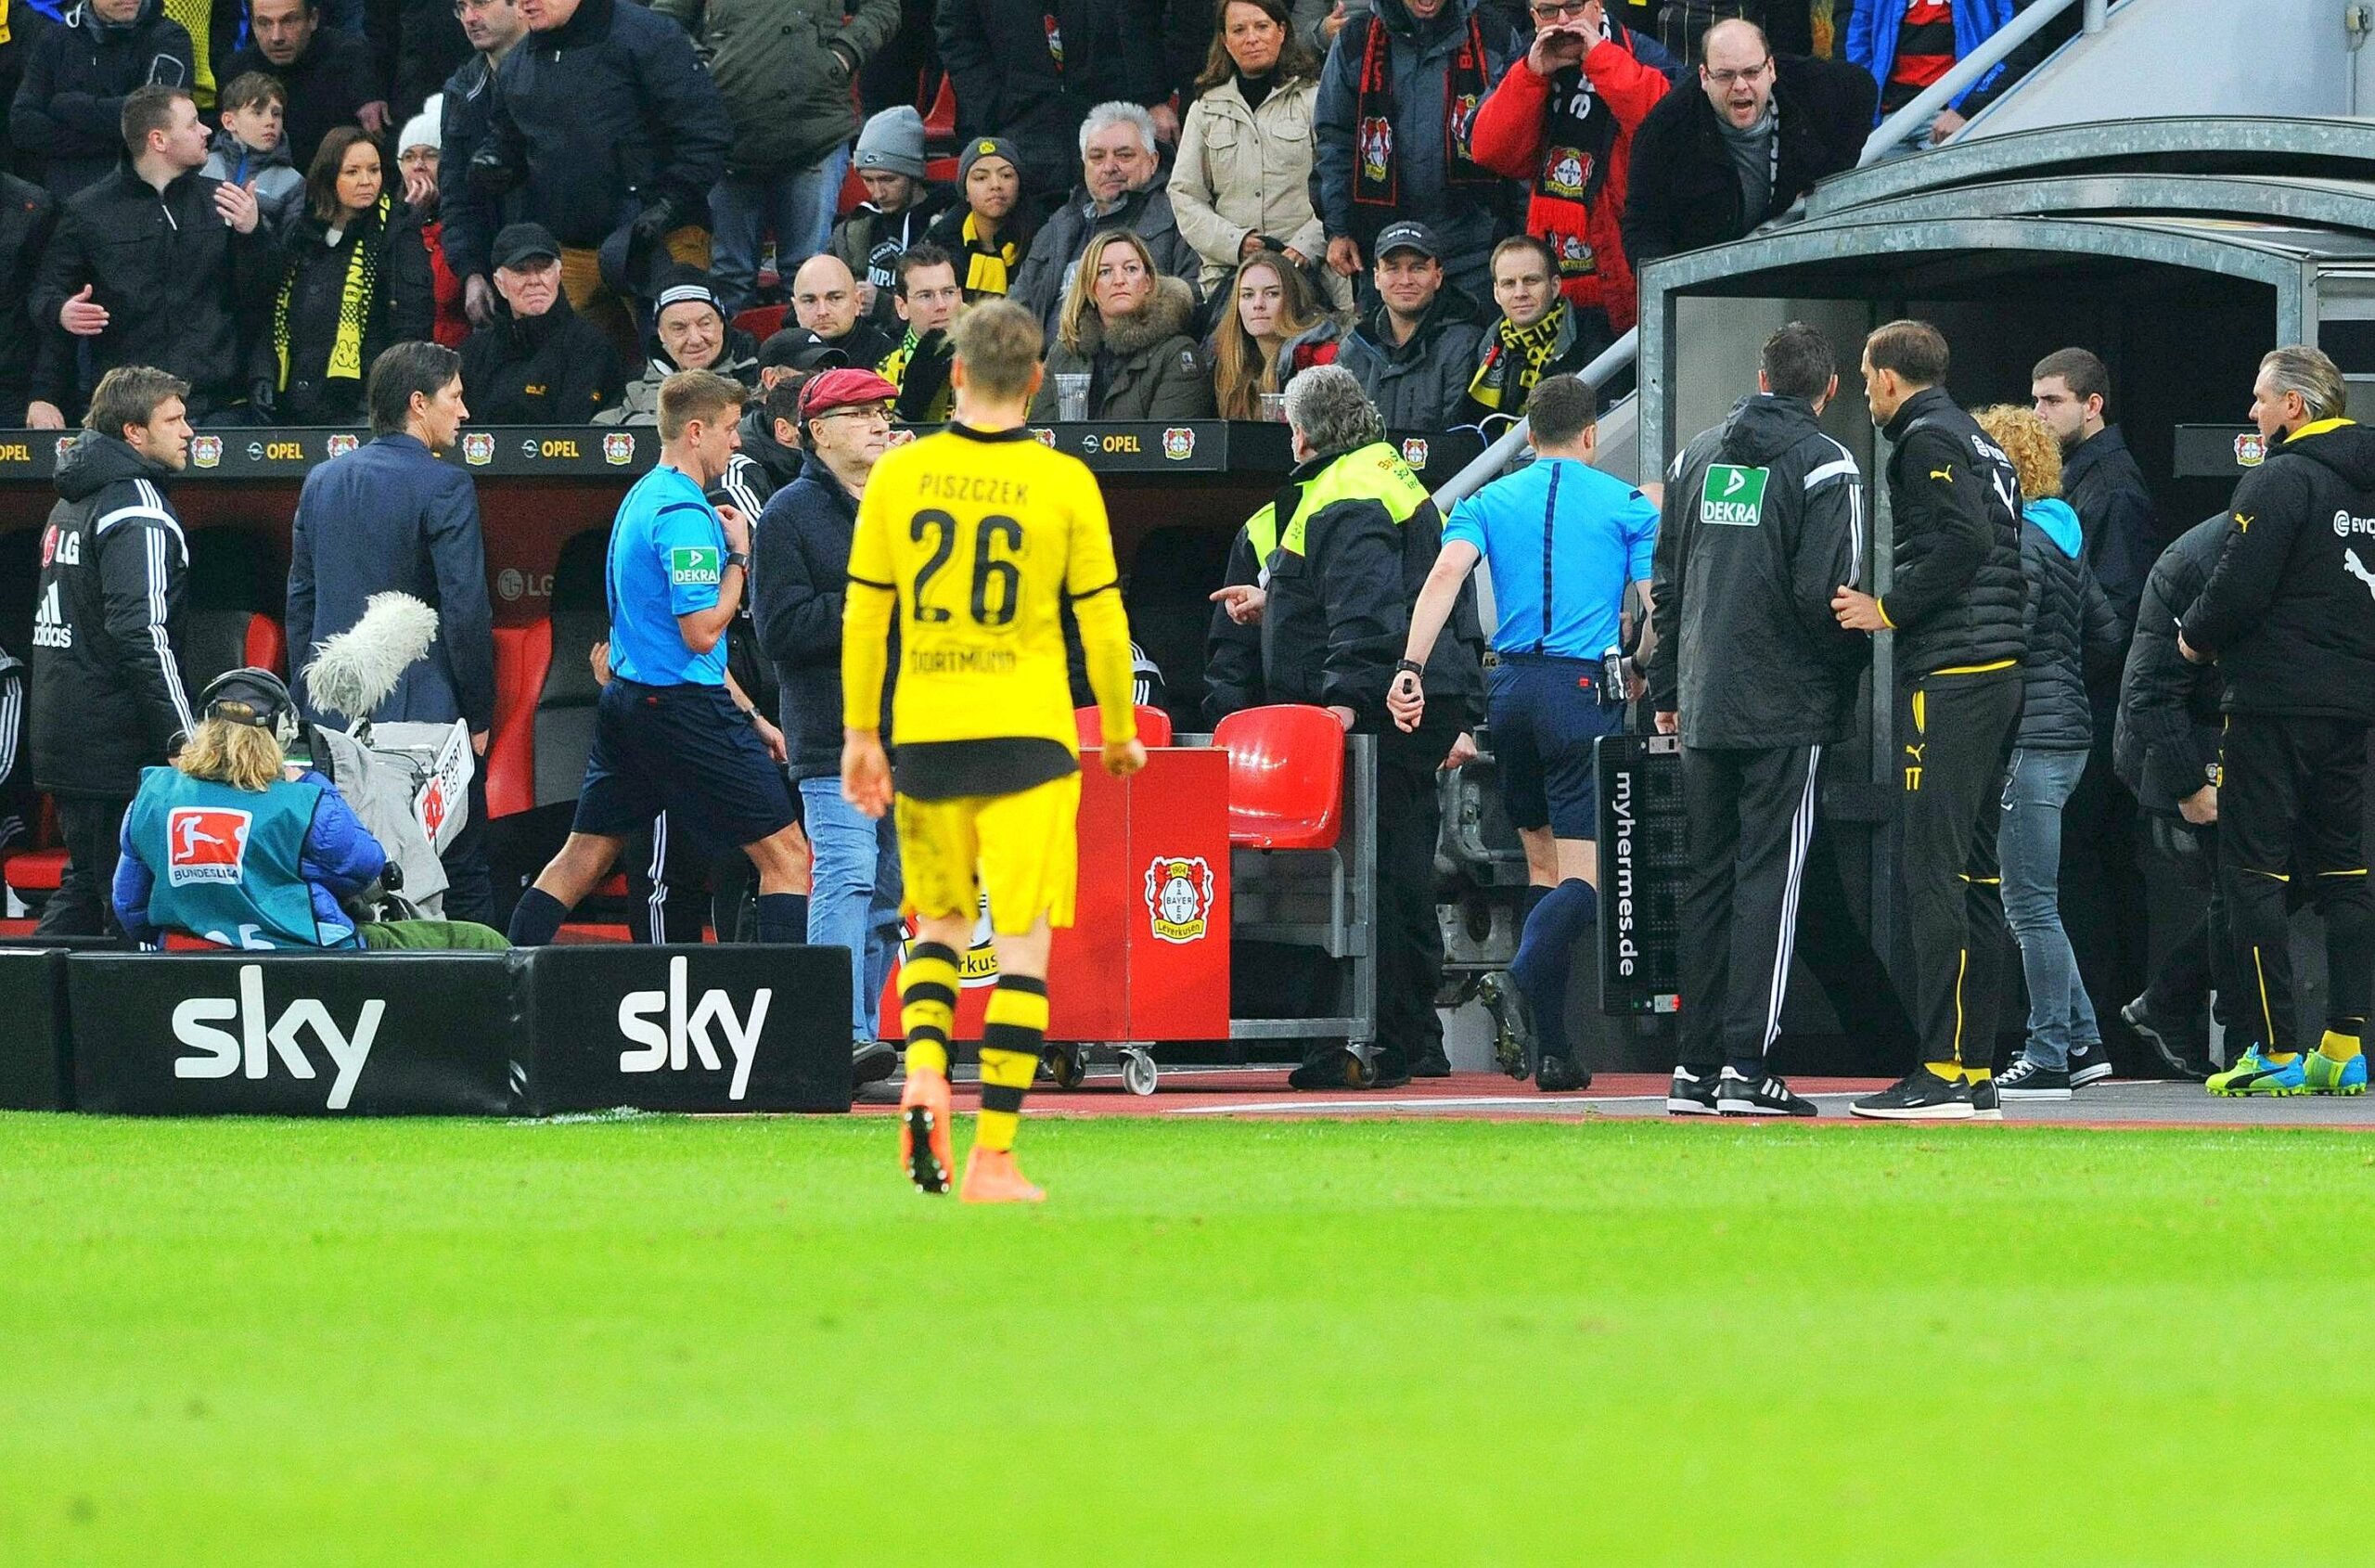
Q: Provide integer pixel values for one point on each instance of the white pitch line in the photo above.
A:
(1450, 1101)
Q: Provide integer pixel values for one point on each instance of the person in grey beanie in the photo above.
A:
(900, 205)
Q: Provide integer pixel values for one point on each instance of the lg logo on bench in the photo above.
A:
(671, 1032)
(263, 1035)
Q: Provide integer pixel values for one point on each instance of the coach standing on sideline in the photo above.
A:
(391, 517)
(1764, 520)
(2289, 615)
(1957, 602)
(668, 735)
(1562, 541)
(108, 696)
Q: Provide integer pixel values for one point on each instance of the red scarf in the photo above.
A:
(1377, 177)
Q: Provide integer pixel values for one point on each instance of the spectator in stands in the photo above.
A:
(1274, 332)
(391, 517)
(801, 551)
(1347, 546)
(31, 358)
(157, 264)
(21, 27)
(784, 67)
(1121, 188)
(495, 29)
(1683, 26)
(899, 206)
(2166, 750)
(1416, 354)
(417, 159)
(1564, 119)
(1711, 165)
(331, 78)
(538, 362)
(929, 299)
(609, 130)
(1128, 331)
(1907, 47)
(216, 29)
(1393, 129)
(1539, 334)
(109, 622)
(2070, 627)
(251, 148)
(825, 300)
(415, 44)
(688, 333)
(355, 280)
(1029, 73)
(986, 227)
(69, 108)
(794, 353)
(1242, 182)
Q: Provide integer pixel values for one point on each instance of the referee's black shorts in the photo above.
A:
(686, 751)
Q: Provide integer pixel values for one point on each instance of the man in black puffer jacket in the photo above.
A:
(69, 110)
(1957, 603)
(2165, 748)
(2288, 616)
(538, 362)
(109, 625)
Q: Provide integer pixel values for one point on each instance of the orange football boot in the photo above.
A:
(991, 1177)
(924, 1152)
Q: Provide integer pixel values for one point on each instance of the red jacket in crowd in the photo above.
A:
(1578, 172)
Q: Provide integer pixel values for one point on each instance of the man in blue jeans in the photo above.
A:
(803, 549)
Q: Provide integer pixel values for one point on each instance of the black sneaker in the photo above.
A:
(1562, 1075)
(1986, 1104)
(2183, 1048)
(1338, 1069)
(2089, 1063)
(1393, 1069)
(1692, 1093)
(1919, 1096)
(872, 1060)
(1767, 1095)
(2027, 1079)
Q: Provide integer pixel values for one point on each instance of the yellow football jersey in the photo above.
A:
(977, 539)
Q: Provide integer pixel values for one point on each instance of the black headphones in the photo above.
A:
(251, 695)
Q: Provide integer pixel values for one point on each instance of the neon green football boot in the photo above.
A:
(2254, 1075)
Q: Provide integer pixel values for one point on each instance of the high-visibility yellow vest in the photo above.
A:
(1375, 472)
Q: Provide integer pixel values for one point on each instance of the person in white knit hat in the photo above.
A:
(417, 161)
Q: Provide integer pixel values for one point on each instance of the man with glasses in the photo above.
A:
(1563, 119)
(494, 28)
(1710, 166)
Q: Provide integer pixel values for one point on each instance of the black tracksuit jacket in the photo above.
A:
(1748, 650)
(1957, 597)
(2165, 744)
(2288, 611)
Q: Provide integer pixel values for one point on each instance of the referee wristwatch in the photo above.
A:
(741, 559)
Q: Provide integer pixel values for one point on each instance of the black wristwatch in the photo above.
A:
(738, 558)
(1409, 667)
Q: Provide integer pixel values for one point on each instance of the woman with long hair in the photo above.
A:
(2070, 625)
(1242, 182)
(1274, 330)
(355, 279)
(1124, 325)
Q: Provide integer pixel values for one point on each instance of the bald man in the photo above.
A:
(824, 298)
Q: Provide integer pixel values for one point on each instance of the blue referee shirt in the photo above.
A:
(667, 553)
(1561, 540)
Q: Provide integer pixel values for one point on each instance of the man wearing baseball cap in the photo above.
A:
(538, 362)
(802, 545)
(1416, 350)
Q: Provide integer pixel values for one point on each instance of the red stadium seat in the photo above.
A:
(852, 193)
(1154, 727)
(267, 645)
(940, 171)
(1286, 776)
(36, 870)
(760, 321)
(523, 655)
(939, 120)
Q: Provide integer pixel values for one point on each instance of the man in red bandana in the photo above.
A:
(1564, 119)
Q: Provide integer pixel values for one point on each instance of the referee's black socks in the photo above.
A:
(783, 916)
(537, 919)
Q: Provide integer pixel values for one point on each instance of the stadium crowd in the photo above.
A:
(1276, 213)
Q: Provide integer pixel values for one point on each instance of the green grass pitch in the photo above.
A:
(660, 1341)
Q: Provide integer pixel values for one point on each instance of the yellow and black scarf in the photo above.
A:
(1515, 360)
(989, 262)
(918, 368)
(354, 300)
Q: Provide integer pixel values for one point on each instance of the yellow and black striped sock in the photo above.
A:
(1011, 1032)
(928, 1005)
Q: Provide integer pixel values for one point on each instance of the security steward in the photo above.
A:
(668, 734)
(1957, 602)
(2289, 615)
(1562, 541)
(1347, 545)
(1764, 520)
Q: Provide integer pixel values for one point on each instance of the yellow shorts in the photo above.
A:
(1022, 846)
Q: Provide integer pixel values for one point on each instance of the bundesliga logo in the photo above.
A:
(340, 446)
(618, 450)
(206, 451)
(204, 845)
(1179, 898)
(478, 449)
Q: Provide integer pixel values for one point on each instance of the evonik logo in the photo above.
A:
(262, 1036)
(685, 1033)
(2345, 525)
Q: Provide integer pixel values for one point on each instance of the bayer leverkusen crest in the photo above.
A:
(1414, 451)
(1179, 898)
(206, 451)
(1179, 444)
(341, 444)
(618, 450)
(2251, 450)
(478, 449)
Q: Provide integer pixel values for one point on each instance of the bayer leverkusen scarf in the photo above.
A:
(1377, 175)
